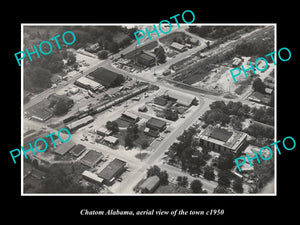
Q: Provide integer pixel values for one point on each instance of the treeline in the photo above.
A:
(234, 113)
(215, 32)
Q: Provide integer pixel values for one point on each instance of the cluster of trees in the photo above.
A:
(160, 54)
(257, 47)
(220, 113)
(259, 86)
(131, 135)
(112, 126)
(61, 179)
(162, 174)
(260, 131)
(196, 187)
(214, 32)
(185, 153)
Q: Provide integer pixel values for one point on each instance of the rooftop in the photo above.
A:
(156, 122)
(150, 183)
(182, 98)
(228, 138)
(177, 45)
(64, 148)
(111, 169)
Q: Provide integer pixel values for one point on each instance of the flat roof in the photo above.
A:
(177, 45)
(111, 139)
(221, 134)
(156, 122)
(130, 115)
(182, 98)
(88, 82)
(63, 148)
(79, 122)
(78, 149)
(232, 142)
(111, 169)
(92, 176)
(104, 76)
(92, 157)
(146, 56)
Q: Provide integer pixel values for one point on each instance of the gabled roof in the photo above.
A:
(150, 183)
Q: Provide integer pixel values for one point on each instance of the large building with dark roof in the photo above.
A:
(146, 59)
(156, 124)
(112, 171)
(222, 140)
(106, 77)
(91, 158)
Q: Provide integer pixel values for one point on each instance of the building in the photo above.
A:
(180, 98)
(77, 150)
(40, 111)
(150, 184)
(111, 140)
(160, 100)
(103, 131)
(112, 171)
(236, 62)
(79, 123)
(222, 140)
(146, 59)
(88, 84)
(259, 97)
(178, 47)
(156, 124)
(63, 148)
(106, 77)
(143, 108)
(93, 47)
(91, 158)
(129, 117)
(89, 176)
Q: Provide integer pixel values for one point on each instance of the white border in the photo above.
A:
(146, 24)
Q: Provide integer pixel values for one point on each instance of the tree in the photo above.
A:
(209, 173)
(60, 108)
(225, 161)
(102, 54)
(160, 54)
(237, 185)
(145, 144)
(163, 177)
(153, 170)
(220, 189)
(113, 47)
(224, 181)
(196, 186)
(182, 181)
(112, 126)
(71, 58)
(258, 85)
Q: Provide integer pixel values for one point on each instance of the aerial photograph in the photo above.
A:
(161, 116)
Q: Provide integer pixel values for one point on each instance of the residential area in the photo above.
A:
(163, 117)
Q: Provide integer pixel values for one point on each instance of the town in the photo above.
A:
(160, 117)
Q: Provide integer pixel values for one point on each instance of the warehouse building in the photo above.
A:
(178, 47)
(130, 117)
(88, 84)
(91, 158)
(146, 59)
(180, 98)
(77, 150)
(63, 148)
(150, 184)
(106, 77)
(79, 123)
(112, 171)
(89, 176)
(222, 140)
(156, 124)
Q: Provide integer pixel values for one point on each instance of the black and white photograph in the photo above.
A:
(176, 113)
(164, 116)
